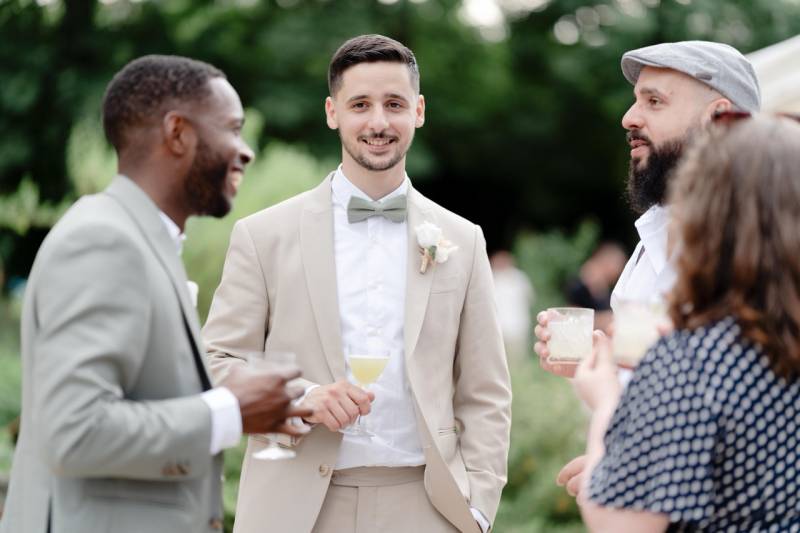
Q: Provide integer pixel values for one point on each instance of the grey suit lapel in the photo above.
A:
(418, 285)
(319, 264)
(144, 213)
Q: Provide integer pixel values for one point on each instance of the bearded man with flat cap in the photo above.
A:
(678, 88)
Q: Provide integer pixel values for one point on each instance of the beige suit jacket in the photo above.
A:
(278, 291)
(115, 435)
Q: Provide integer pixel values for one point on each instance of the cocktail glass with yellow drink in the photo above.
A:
(365, 368)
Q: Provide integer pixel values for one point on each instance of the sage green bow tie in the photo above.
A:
(393, 209)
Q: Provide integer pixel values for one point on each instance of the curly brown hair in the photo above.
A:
(736, 207)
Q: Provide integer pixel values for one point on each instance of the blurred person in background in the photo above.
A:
(592, 287)
(678, 87)
(705, 437)
(121, 430)
(514, 295)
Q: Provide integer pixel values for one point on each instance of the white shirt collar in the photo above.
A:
(174, 231)
(342, 189)
(653, 228)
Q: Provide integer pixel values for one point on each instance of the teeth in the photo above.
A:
(378, 142)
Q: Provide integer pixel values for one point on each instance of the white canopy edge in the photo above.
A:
(778, 71)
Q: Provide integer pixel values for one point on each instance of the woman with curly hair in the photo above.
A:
(706, 437)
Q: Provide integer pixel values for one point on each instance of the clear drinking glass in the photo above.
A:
(273, 361)
(570, 333)
(636, 328)
(366, 366)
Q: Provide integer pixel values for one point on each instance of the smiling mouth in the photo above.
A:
(378, 141)
(636, 143)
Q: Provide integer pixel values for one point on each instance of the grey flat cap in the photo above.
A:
(718, 65)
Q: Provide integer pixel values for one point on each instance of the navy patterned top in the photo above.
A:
(707, 434)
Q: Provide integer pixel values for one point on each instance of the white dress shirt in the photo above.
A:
(371, 270)
(649, 274)
(226, 419)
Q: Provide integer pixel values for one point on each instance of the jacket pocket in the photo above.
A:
(446, 284)
(159, 492)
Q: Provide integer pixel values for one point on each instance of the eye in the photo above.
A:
(654, 100)
(359, 105)
(395, 105)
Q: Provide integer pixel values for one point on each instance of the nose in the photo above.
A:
(246, 153)
(632, 119)
(377, 120)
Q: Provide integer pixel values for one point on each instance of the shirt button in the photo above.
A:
(215, 523)
(324, 470)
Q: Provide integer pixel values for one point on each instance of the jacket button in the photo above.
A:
(215, 523)
(324, 470)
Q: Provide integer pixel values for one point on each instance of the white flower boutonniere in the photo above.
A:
(433, 246)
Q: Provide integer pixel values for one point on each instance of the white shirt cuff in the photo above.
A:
(485, 525)
(226, 419)
(302, 398)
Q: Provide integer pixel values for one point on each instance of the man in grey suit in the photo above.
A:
(121, 430)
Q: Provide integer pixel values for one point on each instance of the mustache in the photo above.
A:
(380, 135)
(637, 135)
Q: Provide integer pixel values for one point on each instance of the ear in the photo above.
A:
(420, 112)
(716, 106)
(330, 114)
(179, 135)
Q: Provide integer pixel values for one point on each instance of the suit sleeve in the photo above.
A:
(92, 306)
(482, 400)
(238, 319)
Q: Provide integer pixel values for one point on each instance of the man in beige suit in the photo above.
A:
(121, 431)
(337, 271)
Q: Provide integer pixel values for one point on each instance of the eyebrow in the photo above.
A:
(395, 96)
(651, 91)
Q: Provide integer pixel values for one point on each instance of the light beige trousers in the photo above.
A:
(379, 500)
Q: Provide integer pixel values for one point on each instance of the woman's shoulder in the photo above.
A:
(717, 343)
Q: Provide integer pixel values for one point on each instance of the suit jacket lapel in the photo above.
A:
(319, 263)
(418, 285)
(144, 213)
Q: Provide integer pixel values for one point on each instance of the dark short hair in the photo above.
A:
(370, 49)
(144, 89)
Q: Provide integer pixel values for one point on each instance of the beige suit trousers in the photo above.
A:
(379, 500)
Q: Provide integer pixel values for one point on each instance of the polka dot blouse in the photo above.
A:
(706, 434)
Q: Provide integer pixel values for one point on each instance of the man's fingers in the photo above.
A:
(542, 333)
(299, 411)
(541, 350)
(574, 485)
(339, 414)
(571, 469)
(602, 349)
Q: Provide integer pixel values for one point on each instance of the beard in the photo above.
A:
(205, 183)
(363, 159)
(647, 185)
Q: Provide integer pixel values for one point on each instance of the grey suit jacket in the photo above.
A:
(115, 436)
